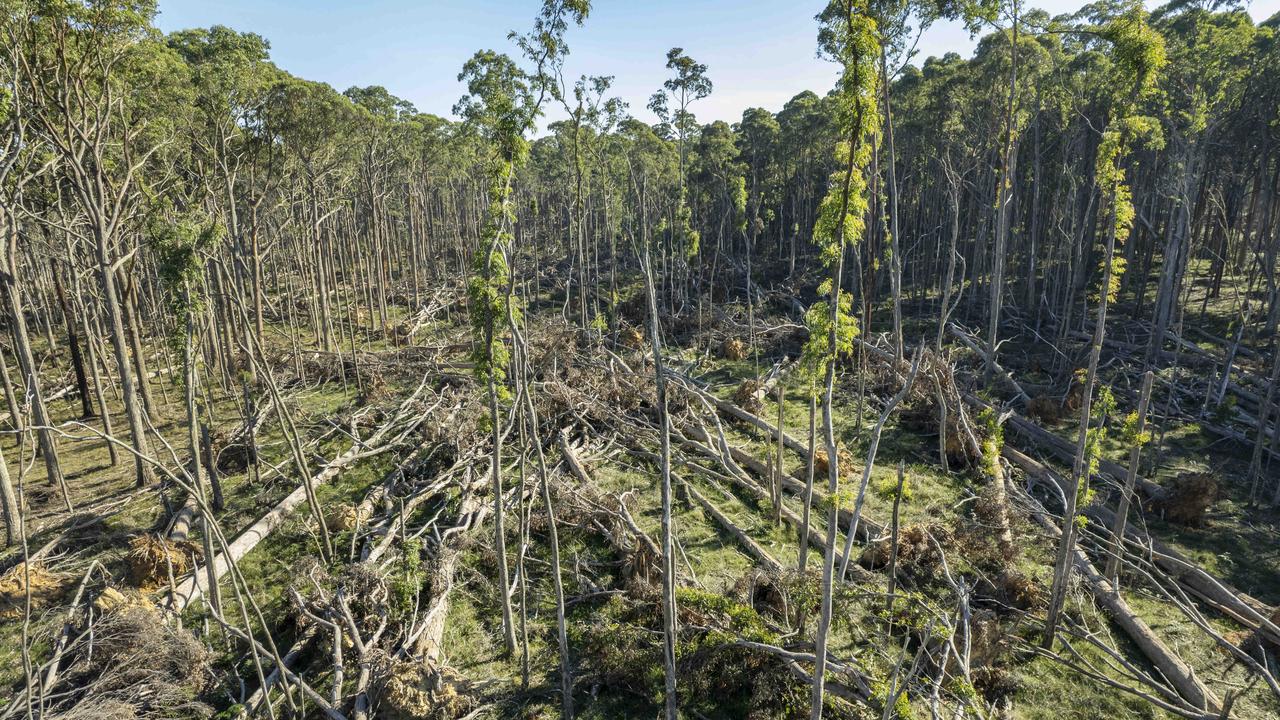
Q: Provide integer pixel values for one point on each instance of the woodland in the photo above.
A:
(949, 391)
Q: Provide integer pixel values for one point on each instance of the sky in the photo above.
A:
(759, 53)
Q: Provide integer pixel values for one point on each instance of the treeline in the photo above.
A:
(151, 181)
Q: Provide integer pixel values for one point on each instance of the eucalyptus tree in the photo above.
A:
(1004, 192)
(501, 105)
(758, 138)
(378, 125)
(21, 163)
(718, 184)
(591, 116)
(848, 35)
(14, 165)
(671, 104)
(1210, 55)
(179, 241)
(231, 77)
(805, 136)
(312, 120)
(107, 97)
(1137, 56)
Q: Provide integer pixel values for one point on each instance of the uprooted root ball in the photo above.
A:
(152, 560)
(45, 585)
(414, 690)
(750, 396)
(1190, 495)
(1045, 409)
(844, 460)
(621, 647)
(136, 665)
(734, 349)
(918, 554)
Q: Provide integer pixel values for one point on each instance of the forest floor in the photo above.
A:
(598, 391)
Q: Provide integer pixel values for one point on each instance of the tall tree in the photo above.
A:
(849, 36)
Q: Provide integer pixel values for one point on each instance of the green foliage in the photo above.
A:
(407, 578)
(1137, 53)
(913, 610)
(817, 349)
(1129, 433)
(887, 489)
(178, 243)
(992, 441)
(1100, 411)
(489, 304)
(847, 34)
(880, 691)
(734, 620)
(500, 106)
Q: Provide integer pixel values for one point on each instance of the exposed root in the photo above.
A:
(153, 560)
(414, 691)
(46, 587)
(136, 665)
(1045, 409)
(1189, 497)
(750, 396)
(734, 349)
(918, 556)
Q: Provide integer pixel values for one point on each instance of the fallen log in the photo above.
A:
(868, 528)
(1181, 675)
(192, 588)
(753, 548)
(1240, 607)
(972, 344)
(427, 642)
(580, 472)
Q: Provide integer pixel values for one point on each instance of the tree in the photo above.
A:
(501, 105)
(849, 36)
(107, 97)
(1138, 55)
(671, 105)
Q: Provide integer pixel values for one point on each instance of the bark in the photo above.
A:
(111, 303)
(1122, 514)
(73, 345)
(668, 554)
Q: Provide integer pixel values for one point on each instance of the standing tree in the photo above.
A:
(849, 36)
(671, 105)
(501, 105)
(1137, 55)
(106, 96)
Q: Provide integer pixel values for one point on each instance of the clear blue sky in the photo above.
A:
(758, 52)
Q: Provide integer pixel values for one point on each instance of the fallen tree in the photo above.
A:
(406, 418)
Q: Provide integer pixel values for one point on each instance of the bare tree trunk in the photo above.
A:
(668, 554)
(1062, 567)
(1264, 414)
(8, 504)
(1126, 496)
(26, 360)
(778, 472)
(135, 342)
(808, 480)
(1007, 162)
(73, 344)
(111, 302)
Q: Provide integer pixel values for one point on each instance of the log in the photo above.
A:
(1240, 607)
(428, 640)
(970, 343)
(753, 548)
(192, 588)
(868, 528)
(1174, 668)
(580, 472)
